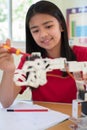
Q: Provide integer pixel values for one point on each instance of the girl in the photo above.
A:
(46, 32)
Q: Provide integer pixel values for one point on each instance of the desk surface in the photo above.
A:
(61, 107)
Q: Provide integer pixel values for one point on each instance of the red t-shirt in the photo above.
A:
(58, 88)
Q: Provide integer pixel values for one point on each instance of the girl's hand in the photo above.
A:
(6, 58)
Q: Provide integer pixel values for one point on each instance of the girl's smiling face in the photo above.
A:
(46, 31)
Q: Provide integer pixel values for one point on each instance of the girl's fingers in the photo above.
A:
(8, 42)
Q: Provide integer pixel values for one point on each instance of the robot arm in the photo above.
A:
(38, 68)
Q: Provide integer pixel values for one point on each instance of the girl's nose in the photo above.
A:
(43, 34)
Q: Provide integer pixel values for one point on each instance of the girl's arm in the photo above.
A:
(8, 90)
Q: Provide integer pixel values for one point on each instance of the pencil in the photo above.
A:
(27, 110)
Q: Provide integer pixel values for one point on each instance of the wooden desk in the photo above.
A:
(61, 107)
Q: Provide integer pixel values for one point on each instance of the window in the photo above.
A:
(3, 20)
(12, 19)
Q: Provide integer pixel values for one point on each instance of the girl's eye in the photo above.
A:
(35, 31)
(49, 26)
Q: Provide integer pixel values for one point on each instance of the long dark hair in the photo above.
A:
(46, 7)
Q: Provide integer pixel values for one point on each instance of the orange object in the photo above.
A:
(5, 46)
(15, 51)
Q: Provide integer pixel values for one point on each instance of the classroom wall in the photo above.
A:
(65, 4)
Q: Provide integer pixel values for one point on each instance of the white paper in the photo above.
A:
(29, 120)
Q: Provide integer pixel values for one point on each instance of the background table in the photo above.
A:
(61, 107)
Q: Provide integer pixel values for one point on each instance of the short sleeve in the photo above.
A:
(80, 52)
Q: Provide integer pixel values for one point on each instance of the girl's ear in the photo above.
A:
(61, 29)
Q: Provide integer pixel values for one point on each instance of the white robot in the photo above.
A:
(37, 67)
